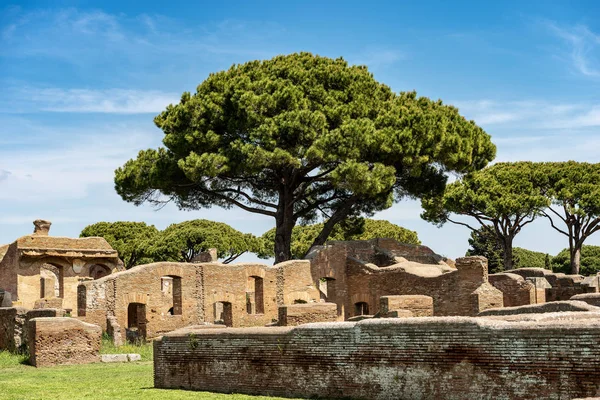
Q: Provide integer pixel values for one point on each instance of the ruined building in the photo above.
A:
(356, 274)
(39, 270)
(149, 300)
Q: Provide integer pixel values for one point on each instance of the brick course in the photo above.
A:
(415, 358)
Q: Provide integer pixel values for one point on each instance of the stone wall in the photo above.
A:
(298, 314)
(39, 266)
(562, 287)
(354, 279)
(414, 358)
(62, 341)
(418, 305)
(515, 289)
(170, 296)
(13, 326)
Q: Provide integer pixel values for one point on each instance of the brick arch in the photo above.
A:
(170, 270)
(297, 295)
(360, 298)
(222, 296)
(255, 270)
(133, 297)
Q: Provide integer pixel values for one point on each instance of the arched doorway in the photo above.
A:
(98, 271)
(51, 281)
(136, 322)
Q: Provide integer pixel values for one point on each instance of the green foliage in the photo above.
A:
(505, 196)
(130, 239)
(303, 236)
(590, 261)
(298, 137)
(530, 259)
(484, 242)
(574, 189)
(185, 240)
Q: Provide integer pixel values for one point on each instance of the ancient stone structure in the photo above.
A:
(61, 341)
(13, 326)
(590, 298)
(355, 274)
(562, 287)
(41, 267)
(149, 300)
(415, 305)
(552, 307)
(546, 356)
(298, 314)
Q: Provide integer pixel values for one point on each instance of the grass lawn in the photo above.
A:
(92, 381)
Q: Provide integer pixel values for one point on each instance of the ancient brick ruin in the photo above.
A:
(149, 300)
(41, 271)
(356, 274)
(548, 356)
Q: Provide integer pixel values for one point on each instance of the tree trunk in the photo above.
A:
(284, 224)
(508, 253)
(575, 254)
(339, 215)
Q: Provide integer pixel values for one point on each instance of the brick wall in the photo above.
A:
(298, 314)
(515, 289)
(562, 287)
(62, 341)
(353, 278)
(418, 305)
(415, 358)
(13, 326)
(244, 294)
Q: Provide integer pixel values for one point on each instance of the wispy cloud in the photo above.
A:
(79, 159)
(118, 101)
(532, 114)
(583, 47)
(377, 58)
(77, 36)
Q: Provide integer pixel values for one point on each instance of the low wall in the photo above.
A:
(298, 314)
(412, 358)
(13, 326)
(62, 341)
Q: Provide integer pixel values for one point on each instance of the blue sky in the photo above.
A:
(80, 83)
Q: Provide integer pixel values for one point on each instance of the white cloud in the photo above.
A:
(79, 159)
(118, 101)
(584, 47)
(532, 114)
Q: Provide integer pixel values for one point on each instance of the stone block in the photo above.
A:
(418, 305)
(112, 358)
(62, 340)
(298, 314)
(134, 357)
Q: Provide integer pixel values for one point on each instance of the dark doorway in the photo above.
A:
(223, 313)
(136, 322)
(361, 308)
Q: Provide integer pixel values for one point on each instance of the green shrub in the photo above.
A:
(590, 261)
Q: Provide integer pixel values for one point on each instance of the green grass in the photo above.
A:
(145, 350)
(92, 381)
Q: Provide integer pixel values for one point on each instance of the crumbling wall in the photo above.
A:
(415, 358)
(418, 305)
(13, 326)
(174, 295)
(61, 341)
(298, 314)
(562, 287)
(515, 289)
(460, 290)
